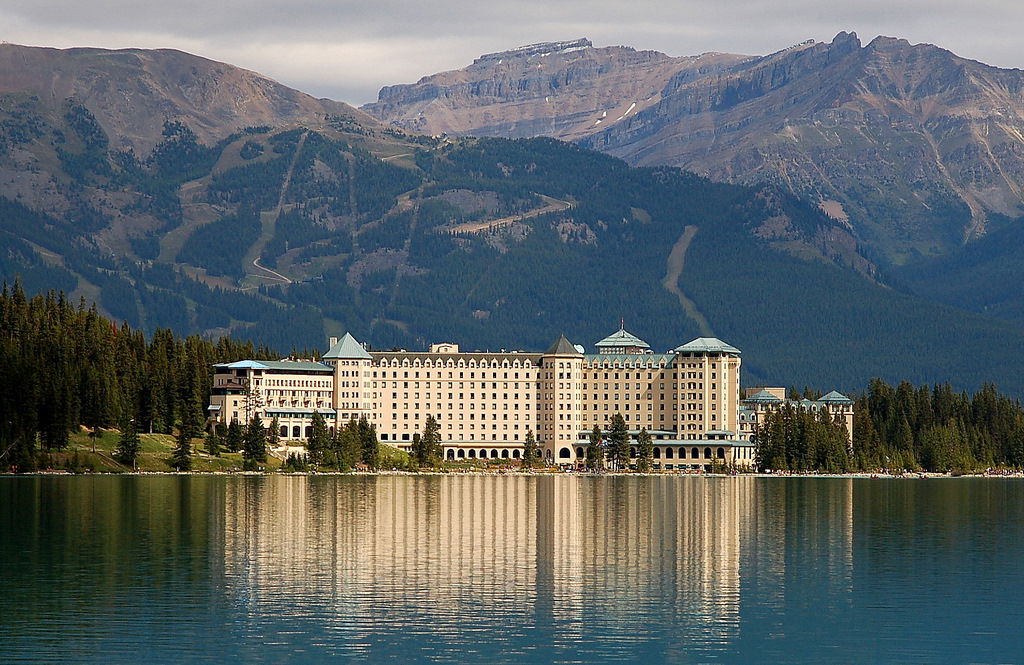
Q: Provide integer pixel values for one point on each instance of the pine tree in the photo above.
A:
(349, 446)
(274, 434)
(181, 459)
(368, 443)
(235, 438)
(318, 441)
(431, 442)
(645, 452)
(531, 454)
(618, 438)
(213, 442)
(595, 455)
(128, 446)
(254, 451)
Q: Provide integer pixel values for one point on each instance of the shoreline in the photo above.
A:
(924, 475)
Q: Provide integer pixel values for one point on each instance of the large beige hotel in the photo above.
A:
(688, 398)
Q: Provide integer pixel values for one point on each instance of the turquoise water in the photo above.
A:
(496, 569)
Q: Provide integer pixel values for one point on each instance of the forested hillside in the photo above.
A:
(287, 236)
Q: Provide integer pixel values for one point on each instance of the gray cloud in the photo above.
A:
(347, 50)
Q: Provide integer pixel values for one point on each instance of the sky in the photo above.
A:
(348, 50)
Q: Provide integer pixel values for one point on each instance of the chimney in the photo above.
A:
(334, 341)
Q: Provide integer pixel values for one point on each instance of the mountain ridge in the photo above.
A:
(918, 148)
(131, 92)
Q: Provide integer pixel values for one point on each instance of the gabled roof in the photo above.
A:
(707, 345)
(836, 398)
(348, 348)
(623, 338)
(562, 347)
(763, 397)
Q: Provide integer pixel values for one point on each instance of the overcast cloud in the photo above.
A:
(347, 50)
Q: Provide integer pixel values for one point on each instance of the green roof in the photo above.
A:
(835, 398)
(707, 345)
(624, 339)
(348, 348)
(633, 359)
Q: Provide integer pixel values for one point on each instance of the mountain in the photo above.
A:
(917, 149)
(287, 233)
(131, 92)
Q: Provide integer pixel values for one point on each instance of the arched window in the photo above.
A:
(694, 453)
(682, 453)
(309, 431)
(721, 453)
(707, 453)
(284, 431)
(632, 453)
(450, 454)
(462, 453)
(579, 452)
(472, 454)
(668, 453)
(515, 454)
(494, 453)
(657, 453)
(504, 454)
(296, 432)
(564, 453)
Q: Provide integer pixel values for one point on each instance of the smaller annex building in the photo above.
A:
(687, 398)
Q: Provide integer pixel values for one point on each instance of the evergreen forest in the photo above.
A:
(67, 367)
(286, 237)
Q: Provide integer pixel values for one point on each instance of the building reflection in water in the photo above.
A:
(535, 566)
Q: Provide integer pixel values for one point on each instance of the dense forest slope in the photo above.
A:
(286, 234)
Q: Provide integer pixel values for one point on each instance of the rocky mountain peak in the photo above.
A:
(912, 145)
(540, 49)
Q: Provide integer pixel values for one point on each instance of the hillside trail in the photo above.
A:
(551, 205)
(407, 248)
(674, 270)
(269, 224)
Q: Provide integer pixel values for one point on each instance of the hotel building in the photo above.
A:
(485, 403)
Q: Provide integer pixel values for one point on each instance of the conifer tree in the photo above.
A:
(531, 454)
(618, 438)
(255, 448)
(418, 452)
(318, 441)
(213, 442)
(128, 446)
(181, 459)
(368, 443)
(274, 434)
(431, 442)
(235, 438)
(594, 454)
(349, 446)
(645, 452)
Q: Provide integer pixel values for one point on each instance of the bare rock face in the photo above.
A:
(917, 148)
(131, 92)
(567, 90)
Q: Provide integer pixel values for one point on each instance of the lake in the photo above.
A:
(510, 569)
